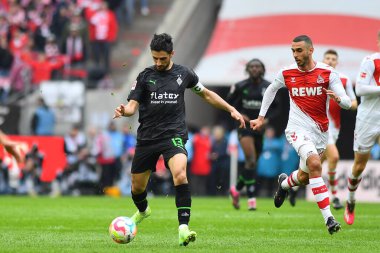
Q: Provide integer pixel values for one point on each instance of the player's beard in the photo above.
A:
(162, 67)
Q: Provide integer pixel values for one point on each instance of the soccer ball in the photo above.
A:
(122, 230)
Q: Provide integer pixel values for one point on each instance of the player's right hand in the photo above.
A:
(13, 148)
(257, 124)
(119, 111)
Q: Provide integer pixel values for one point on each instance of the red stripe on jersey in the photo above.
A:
(320, 189)
(324, 203)
(305, 89)
(334, 108)
(376, 73)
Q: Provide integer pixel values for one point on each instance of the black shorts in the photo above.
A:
(147, 153)
(256, 135)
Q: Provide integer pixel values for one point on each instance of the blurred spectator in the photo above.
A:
(201, 164)
(19, 41)
(103, 31)
(43, 121)
(220, 160)
(41, 35)
(74, 46)
(375, 151)
(117, 143)
(269, 162)
(6, 61)
(190, 152)
(33, 171)
(60, 19)
(130, 8)
(74, 141)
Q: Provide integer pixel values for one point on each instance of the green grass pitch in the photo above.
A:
(80, 224)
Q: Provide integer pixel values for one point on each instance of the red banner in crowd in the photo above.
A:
(51, 147)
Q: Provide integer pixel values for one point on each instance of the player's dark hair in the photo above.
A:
(303, 38)
(331, 51)
(162, 42)
(255, 60)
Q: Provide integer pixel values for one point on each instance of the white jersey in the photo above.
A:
(368, 87)
(308, 101)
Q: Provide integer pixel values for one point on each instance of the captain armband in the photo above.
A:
(198, 88)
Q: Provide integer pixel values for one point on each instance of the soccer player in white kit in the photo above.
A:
(367, 128)
(310, 86)
(330, 57)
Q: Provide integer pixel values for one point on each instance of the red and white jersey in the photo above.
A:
(369, 75)
(308, 101)
(334, 108)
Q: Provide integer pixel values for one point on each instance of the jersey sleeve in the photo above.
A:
(270, 93)
(193, 79)
(363, 80)
(137, 89)
(335, 84)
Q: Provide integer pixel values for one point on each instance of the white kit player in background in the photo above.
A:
(310, 86)
(367, 128)
(330, 57)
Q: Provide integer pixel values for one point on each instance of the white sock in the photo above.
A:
(183, 226)
(291, 181)
(353, 183)
(321, 194)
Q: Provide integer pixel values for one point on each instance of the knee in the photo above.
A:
(180, 177)
(314, 164)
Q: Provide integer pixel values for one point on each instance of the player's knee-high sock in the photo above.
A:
(240, 182)
(140, 201)
(353, 183)
(332, 181)
(291, 181)
(250, 181)
(321, 195)
(183, 203)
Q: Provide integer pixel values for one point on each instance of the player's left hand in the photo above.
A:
(236, 115)
(332, 95)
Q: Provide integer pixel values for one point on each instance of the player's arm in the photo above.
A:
(268, 98)
(126, 110)
(11, 147)
(363, 87)
(337, 92)
(351, 94)
(215, 100)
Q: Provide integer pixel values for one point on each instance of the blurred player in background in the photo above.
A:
(310, 84)
(246, 96)
(367, 128)
(158, 94)
(332, 154)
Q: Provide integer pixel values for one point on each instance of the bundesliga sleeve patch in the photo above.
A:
(198, 88)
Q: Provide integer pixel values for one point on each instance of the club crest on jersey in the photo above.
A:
(292, 79)
(179, 80)
(363, 75)
(320, 79)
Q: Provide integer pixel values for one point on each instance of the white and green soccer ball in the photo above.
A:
(122, 230)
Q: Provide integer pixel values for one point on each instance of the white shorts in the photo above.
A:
(333, 133)
(365, 136)
(306, 144)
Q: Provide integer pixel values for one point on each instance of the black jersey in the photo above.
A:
(247, 97)
(162, 102)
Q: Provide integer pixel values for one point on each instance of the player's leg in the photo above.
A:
(177, 165)
(139, 194)
(143, 163)
(332, 155)
(354, 179)
(248, 175)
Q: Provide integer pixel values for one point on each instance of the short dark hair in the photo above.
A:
(162, 42)
(331, 51)
(303, 38)
(255, 60)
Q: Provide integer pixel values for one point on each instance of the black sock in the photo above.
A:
(240, 182)
(183, 203)
(140, 201)
(250, 181)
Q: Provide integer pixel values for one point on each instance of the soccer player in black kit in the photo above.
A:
(158, 94)
(246, 96)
